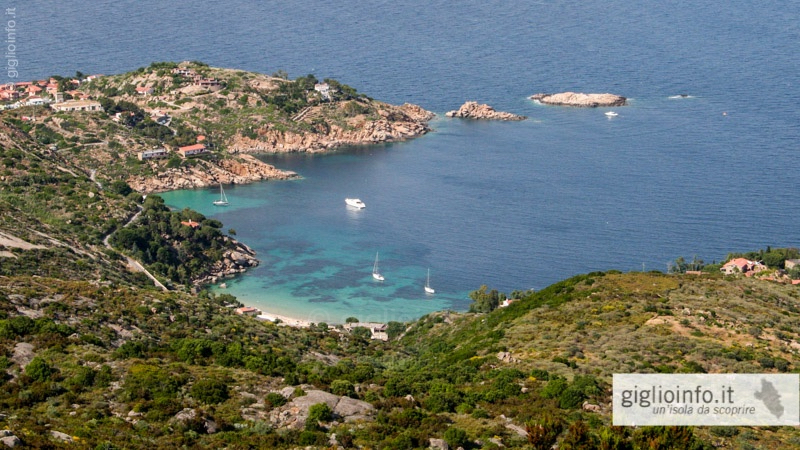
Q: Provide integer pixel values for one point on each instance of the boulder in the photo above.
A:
(295, 413)
(189, 415)
(11, 441)
(506, 357)
(438, 444)
(64, 437)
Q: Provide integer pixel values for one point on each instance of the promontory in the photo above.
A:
(580, 99)
(188, 125)
(475, 110)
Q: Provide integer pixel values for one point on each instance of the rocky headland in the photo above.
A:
(393, 123)
(236, 259)
(478, 111)
(241, 170)
(580, 99)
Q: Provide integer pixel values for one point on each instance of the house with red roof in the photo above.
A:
(192, 150)
(248, 311)
(9, 95)
(742, 266)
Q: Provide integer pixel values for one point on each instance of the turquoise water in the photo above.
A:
(510, 205)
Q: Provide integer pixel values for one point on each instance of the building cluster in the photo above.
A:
(749, 268)
(46, 92)
(211, 84)
(186, 151)
(42, 92)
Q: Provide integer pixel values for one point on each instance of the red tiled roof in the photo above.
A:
(191, 223)
(189, 148)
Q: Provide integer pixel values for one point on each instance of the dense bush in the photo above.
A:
(456, 437)
(317, 413)
(210, 390)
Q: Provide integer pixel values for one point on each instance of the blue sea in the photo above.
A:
(703, 161)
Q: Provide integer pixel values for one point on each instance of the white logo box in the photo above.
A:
(706, 399)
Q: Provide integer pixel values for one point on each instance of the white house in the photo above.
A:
(77, 105)
(151, 154)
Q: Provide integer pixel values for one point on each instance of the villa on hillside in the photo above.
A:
(791, 263)
(247, 311)
(742, 266)
(184, 72)
(208, 83)
(377, 330)
(77, 105)
(192, 150)
(35, 101)
(152, 154)
(144, 90)
(324, 89)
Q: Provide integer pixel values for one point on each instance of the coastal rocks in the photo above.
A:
(244, 169)
(580, 99)
(235, 260)
(475, 110)
(367, 132)
(295, 413)
(394, 123)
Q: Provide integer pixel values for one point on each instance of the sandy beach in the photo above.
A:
(284, 320)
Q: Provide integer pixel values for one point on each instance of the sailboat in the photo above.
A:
(223, 200)
(375, 274)
(428, 288)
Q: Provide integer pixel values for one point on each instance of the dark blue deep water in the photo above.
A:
(510, 205)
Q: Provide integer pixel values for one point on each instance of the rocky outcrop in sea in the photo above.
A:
(475, 110)
(580, 99)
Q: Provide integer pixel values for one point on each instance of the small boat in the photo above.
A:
(611, 114)
(375, 274)
(355, 203)
(223, 199)
(428, 288)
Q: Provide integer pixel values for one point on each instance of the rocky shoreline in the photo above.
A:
(478, 111)
(240, 170)
(235, 260)
(580, 99)
(396, 123)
